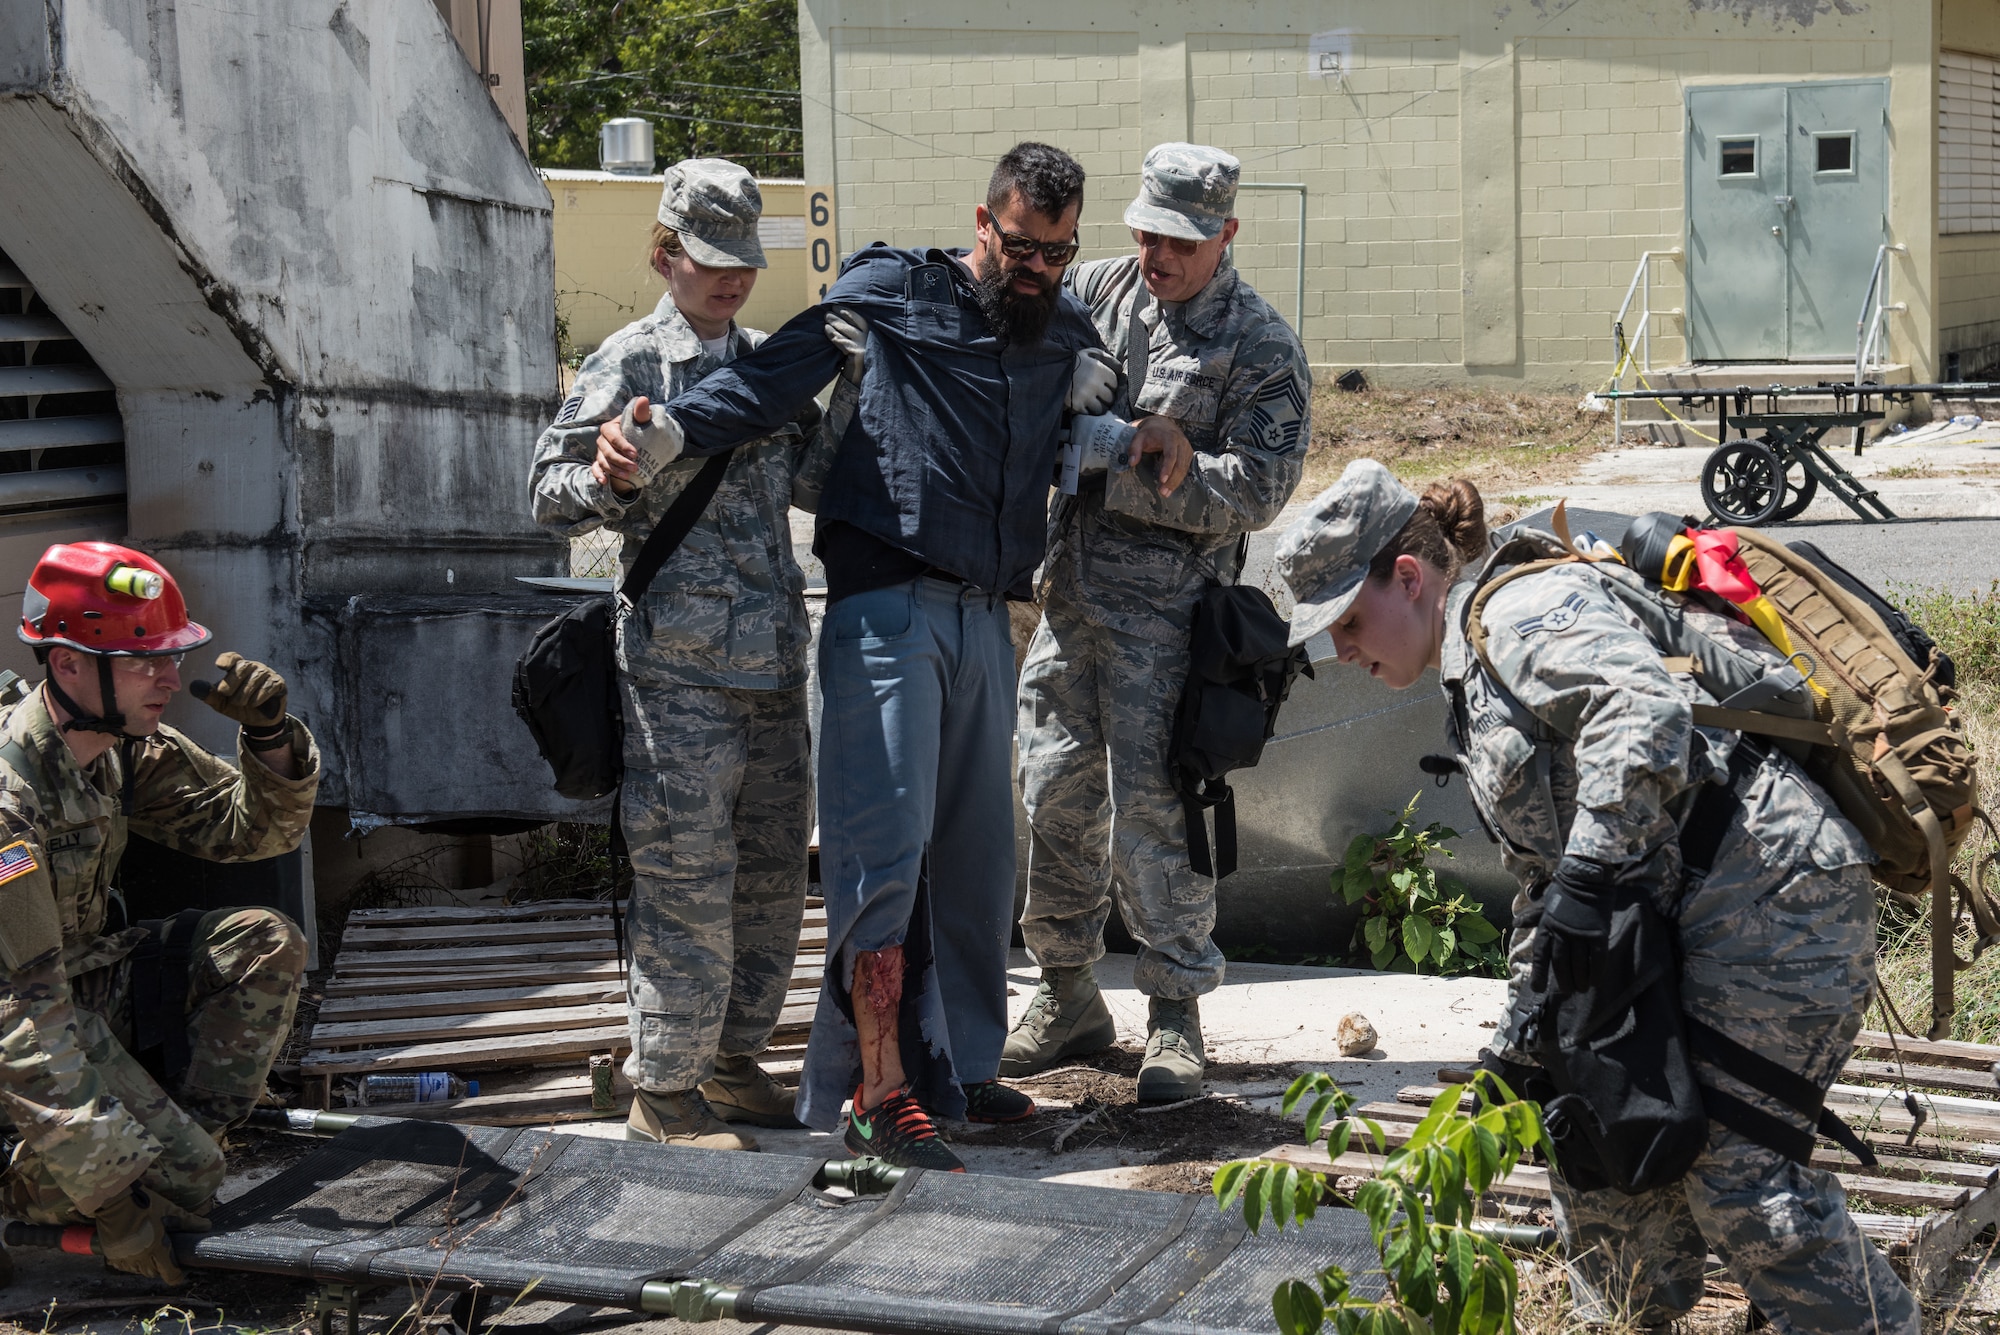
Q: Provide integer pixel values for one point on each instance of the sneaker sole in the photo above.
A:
(1078, 1045)
(868, 1152)
(1003, 1121)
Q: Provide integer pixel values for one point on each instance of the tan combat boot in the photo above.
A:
(743, 1091)
(1067, 1018)
(1174, 1059)
(681, 1118)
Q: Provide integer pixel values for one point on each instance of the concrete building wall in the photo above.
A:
(603, 282)
(313, 260)
(1481, 182)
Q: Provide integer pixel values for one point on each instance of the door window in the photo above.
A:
(1739, 156)
(1834, 153)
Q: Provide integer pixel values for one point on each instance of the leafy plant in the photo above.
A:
(1441, 1275)
(1410, 915)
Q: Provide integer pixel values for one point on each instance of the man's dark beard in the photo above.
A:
(1017, 317)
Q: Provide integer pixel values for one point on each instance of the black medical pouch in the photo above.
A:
(1625, 1110)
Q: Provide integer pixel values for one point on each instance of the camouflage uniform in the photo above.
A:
(717, 799)
(89, 1119)
(1585, 746)
(1777, 943)
(1126, 567)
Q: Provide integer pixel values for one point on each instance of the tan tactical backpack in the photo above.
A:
(1885, 743)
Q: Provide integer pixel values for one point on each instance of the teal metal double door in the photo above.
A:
(1787, 203)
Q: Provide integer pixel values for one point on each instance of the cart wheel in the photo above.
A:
(1800, 488)
(1743, 482)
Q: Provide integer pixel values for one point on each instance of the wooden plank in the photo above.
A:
(1908, 1168)
(440, 915)
(1532, 1183)
(1398, 1120)
(1922, 1195)
(564, 1099)
(484, 1001)
(459, 980)
(1941, 1238)
(1947, 1052)
(1945, 1109)
(473, 938)
(421, 1029)
(508, 1050)
(534, 952)
(1891, 1232)
(1926, 1077)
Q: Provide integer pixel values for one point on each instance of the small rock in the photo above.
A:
(1354, 1035)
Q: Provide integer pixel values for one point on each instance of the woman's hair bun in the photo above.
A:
(1460, 514)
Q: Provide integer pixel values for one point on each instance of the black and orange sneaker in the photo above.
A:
(899, 1132)
(991, 1101)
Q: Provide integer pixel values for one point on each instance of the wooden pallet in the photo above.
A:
(503, 994)
(1942, 1182)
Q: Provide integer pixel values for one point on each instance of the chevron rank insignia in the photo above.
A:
(16, 860)
(1560, 617)
(1278, 414)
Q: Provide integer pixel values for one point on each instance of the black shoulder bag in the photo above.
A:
(566, 684)
(1240, 670)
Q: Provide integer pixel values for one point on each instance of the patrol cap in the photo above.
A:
(1185, 190)
(714, 204)
(1324, 556)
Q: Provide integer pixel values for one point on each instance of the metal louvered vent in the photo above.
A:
(62, 444)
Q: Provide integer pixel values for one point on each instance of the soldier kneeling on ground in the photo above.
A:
(99, 1020)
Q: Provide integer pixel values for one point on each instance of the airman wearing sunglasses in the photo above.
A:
(1209, 363)
(127, 1050)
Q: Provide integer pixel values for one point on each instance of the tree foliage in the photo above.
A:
(1441, 1274)
(716, 80)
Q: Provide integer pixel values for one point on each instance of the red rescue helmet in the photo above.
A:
(105, 599)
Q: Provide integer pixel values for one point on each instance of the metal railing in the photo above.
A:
(1623, 351)
(1870, 329)
(1299, 300)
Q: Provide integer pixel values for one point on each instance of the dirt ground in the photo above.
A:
(1513, 443)
(1094, 1104)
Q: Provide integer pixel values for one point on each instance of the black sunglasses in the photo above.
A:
(1017, 247)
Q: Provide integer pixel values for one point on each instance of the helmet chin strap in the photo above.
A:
(82, 721)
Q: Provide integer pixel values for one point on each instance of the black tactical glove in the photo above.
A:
(1575, 927)
(132, 1234)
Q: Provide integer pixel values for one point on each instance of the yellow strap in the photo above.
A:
(1690, 666)
(1768, 725)
(1677, 571)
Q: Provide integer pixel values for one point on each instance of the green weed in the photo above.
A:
(1412, 917)
(1442, 1273)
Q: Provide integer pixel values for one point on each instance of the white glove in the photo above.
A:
(659, 441)
(1092, 382)
(849, 333)
(1090, 446)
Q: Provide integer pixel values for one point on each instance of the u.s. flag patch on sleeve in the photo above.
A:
(16, 859)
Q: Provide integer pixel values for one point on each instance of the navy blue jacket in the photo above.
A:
(950, 453)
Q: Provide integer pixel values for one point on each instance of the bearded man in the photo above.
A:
(932, 516)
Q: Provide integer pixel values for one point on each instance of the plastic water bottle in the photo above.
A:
(416, 1087)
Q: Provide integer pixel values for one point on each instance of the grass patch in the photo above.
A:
(1503, 440)
(1966, 626)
